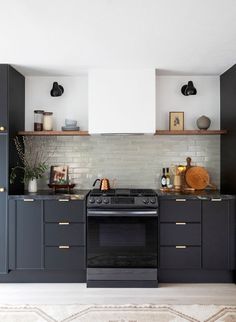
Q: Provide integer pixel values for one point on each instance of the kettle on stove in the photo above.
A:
(104, 184)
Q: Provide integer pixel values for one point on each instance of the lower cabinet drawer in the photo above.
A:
(180, 257)
(64, 234)
(180, 234)
(64, 258)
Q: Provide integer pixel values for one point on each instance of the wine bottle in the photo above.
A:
(163, 178)
(167, 177)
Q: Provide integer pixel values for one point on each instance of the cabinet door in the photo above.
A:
(3, 203)
(29, 234)
(215, 235)
(3, 96)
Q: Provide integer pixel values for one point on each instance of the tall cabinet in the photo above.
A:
(228, 121)
(12, 118)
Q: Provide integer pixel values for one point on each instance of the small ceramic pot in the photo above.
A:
(203, 122)
(32, 185)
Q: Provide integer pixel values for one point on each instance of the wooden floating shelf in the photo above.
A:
(85, 133)
(191, 132)
(53, 133)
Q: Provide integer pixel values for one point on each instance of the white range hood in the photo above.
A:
(122, 101)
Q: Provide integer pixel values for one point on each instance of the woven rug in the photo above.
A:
(117, 313)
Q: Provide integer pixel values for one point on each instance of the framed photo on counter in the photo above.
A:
(176, 121)
(59, 174)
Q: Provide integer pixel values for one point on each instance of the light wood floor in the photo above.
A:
(16, 294)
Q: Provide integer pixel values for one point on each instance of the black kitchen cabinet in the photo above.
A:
(180, 234)
(26, 234)
(12, 117)
(228, 121)
(197, 239)
(47, 235)
(180, 209)
(3, 203)
(3, 98)
(218, 232)
(64, 234)
(64, 210)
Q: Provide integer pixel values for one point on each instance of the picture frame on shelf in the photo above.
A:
(176, 121)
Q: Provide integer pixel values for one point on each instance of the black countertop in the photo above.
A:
(50, 195)
(82, 194)
(195, 195)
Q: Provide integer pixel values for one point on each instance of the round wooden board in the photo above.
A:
(197, 178)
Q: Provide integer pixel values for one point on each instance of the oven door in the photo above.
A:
(122, 238)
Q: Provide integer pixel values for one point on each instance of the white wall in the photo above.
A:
(206, 102)
(72, 104)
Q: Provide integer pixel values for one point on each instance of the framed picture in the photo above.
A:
(176, 120)
(59, 174)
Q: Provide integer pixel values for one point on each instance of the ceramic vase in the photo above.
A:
(203, 122)
(32, 185)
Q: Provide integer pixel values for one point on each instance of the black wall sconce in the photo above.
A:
(189, 89)
(57, 90)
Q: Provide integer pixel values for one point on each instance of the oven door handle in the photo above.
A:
(122, 213)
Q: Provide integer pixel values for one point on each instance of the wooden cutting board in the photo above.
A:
(197, 178)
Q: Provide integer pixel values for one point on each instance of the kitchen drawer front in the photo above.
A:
(180, 210)
(64, 211)
(65, 258)
(64, 234)
(180, 258)
(180, 233)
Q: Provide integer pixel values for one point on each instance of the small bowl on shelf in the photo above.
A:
(70, 123)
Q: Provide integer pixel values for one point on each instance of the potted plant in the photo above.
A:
(33, 160)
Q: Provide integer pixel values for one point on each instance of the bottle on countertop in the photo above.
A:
(167, 177)
(163, 179)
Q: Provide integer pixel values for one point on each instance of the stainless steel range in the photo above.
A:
(122, 238)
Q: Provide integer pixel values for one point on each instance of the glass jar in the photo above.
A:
(38, 120)
(47, 121)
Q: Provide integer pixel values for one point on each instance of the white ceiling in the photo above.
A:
(66, 37)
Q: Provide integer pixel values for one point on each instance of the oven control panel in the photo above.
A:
(116, 202)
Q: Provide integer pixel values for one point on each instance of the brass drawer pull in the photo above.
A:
(63, 200)
(180, 247)
(216, 199)
(179, 200)
(181, 223)
(2, 189)
(63, 223)
(28, 200)
(2, 128)
(64, 247)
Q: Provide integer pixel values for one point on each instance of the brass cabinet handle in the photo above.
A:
(216, 199)
(181, 223)
(63, 223)
(63, 200)
(180, 200)
(180, 247)
(2, 189)
(28, 200)
(64, 247)
(2, 128)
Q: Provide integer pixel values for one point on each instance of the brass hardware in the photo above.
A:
(2, 128)
(63, 223)
(64, 247)
(180, 200)
(180, 223)
(216, 199)
(2, 189)
(180, 247)
(29, 200)
(63, 200)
